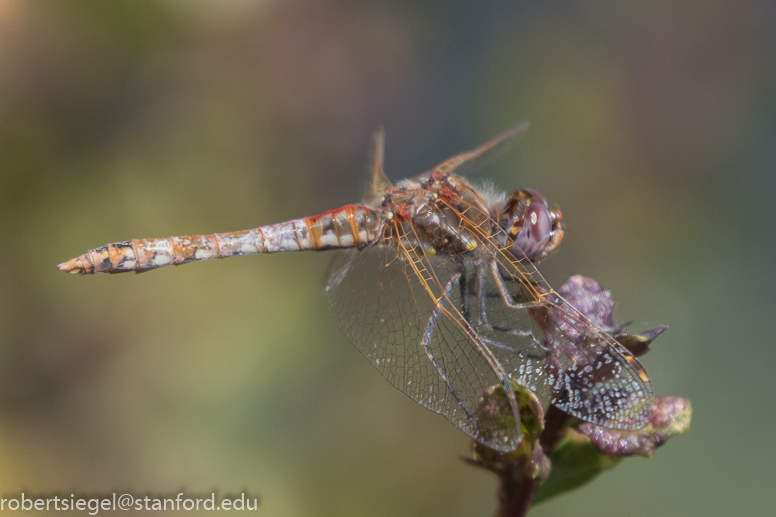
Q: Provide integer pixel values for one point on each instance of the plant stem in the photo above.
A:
(517, 489)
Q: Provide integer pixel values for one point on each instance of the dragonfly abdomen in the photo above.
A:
(346, 227)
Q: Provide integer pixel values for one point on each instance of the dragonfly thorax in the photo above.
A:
(435, 214)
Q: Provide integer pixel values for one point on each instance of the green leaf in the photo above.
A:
(574, 462)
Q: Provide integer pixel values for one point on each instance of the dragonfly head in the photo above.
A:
(534, 230)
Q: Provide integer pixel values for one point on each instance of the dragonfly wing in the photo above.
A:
(587, 373)
(378, 181)
(470, 162)
(594, 377)
(386, 301)
(515, 338)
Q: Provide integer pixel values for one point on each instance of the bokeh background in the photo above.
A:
(653, 128)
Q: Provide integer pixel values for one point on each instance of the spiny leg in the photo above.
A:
(521, 353)
(482, 297)
(464, 284)
(504, 292)
(483, 320)
(429, 332)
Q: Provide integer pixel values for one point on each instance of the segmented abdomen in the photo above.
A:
(346, 227)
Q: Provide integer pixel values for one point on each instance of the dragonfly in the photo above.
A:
(435, 283)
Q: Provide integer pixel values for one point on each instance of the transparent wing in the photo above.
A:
(594, 377)
(585, 372)
(549, 346)
(515, 338)
(403, 312)
(467, 163)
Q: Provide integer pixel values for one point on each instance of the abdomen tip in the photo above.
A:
(73, 266)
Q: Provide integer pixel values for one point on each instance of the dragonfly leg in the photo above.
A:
(483, 314)
(504, 292)
(464, 284)
(483, 320)
(425, 341)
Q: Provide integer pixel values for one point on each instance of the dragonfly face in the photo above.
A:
(437, 288)
(534, 230)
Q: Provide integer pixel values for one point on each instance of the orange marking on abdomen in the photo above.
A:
(317, 228)
(351, 214)
(314, 230)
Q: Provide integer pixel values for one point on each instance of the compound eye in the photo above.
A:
(535, 197)
(533, 237)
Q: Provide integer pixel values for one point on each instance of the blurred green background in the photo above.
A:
(653, 128)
